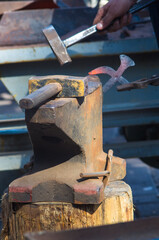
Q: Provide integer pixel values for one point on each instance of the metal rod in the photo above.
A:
(94, 174)
(79, 36)
(141, 5)
(40, 95)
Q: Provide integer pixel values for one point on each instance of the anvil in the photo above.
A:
(66, 135)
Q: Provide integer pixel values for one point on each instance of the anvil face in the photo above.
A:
(66, 135)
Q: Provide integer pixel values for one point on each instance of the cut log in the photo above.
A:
(19, 218)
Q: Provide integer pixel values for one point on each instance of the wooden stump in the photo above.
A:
(20, 218)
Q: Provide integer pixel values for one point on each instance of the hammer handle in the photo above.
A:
(39, 96)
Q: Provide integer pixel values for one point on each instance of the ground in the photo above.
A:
(144, 182)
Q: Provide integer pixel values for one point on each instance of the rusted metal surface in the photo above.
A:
(143, 229)
(116, 76)
(9, 6)
(29, 29)
(44, 88)
(66, 135)
(139, 84)
(71, 86)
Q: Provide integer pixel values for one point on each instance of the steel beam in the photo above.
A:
(135, 149)
(14, 160)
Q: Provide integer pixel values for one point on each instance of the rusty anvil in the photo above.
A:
(66, 134)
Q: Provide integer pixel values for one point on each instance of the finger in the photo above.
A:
(115, 26)
(103, 32)
(121, 22)
(105, 22)
(100, 14)
(125, 20)
(129, 18)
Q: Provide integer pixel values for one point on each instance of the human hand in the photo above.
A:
(115, 11)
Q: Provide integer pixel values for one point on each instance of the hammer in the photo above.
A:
(44, 88)
(59, 47)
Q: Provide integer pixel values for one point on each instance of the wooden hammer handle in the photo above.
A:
(39, 96)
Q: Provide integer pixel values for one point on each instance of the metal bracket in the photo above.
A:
(139, 84)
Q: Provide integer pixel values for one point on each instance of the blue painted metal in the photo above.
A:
(11, 167)
(15, 160)
(42, 52)
(134, 149)
(8, 118)
(12, 123)
(130, 114)
(13, 130)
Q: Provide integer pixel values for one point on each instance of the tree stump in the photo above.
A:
(19, 218)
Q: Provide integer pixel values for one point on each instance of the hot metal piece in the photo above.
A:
(116, 76)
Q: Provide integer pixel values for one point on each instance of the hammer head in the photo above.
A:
(57, 45)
